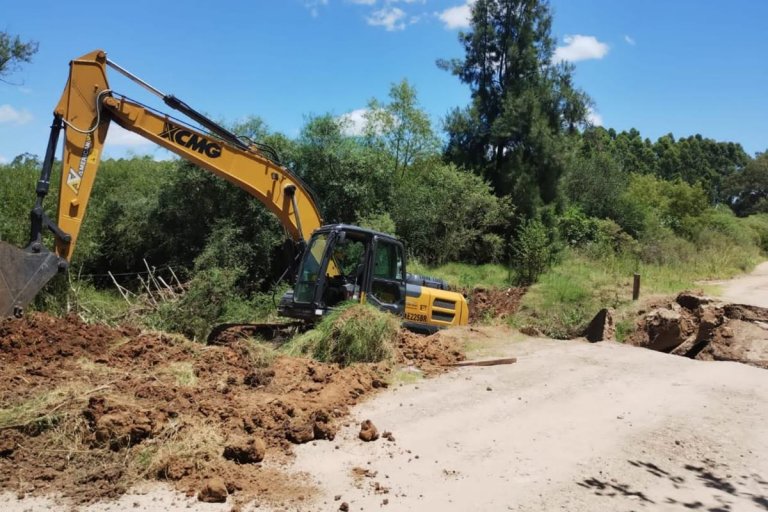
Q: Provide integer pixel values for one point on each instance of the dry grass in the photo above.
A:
(183, 372)
(259, 354)
(48, 408)
(189, 443)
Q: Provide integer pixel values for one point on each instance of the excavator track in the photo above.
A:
(275, 333)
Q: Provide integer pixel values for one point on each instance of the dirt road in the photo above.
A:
(749, 289)
(571, 426)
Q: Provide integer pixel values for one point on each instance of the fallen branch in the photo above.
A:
(486, 362)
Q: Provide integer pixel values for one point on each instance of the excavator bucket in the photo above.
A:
(22, 274)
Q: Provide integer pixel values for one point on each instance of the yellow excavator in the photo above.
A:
(335, 263)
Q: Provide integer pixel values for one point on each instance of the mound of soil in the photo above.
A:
(86, 411)
(487, 303)
(431, 354)
(699, 327)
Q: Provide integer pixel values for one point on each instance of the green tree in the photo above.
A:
(349, 179)
(401, 127)
(524, 105)
(13, 51)
(747, 191)
(445, 214)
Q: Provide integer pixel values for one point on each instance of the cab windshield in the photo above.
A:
(310, 268)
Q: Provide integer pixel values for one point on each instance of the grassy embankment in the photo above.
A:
(584, 280)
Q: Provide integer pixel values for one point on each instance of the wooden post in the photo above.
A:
(151, 278)
(636, 287)
(160, 278)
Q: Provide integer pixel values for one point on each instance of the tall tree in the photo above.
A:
(14, 51)
(401, 127)
(524, 104)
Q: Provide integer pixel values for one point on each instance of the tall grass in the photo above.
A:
(569, 294)
(353, 333)
(464, 275)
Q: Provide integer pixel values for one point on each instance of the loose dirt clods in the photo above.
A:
(87, 411)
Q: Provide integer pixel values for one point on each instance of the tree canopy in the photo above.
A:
(13, 51)
(524, 104)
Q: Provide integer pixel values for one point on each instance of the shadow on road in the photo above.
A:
(729, 490)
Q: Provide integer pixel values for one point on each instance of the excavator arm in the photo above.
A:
(86, 109)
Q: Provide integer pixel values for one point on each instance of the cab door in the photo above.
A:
(386, 276)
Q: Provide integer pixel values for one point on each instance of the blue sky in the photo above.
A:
(679, 66)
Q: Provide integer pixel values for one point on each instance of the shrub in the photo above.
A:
(446, 214)
(205, 304)
(576, 229)
(532, 252)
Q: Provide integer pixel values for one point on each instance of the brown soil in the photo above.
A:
(703, 328)
(431, 354)
(487, 303)
(86, 411)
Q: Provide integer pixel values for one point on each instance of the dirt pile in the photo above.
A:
(490, 303)
(86, 411)
(431, 354)
(699, 327)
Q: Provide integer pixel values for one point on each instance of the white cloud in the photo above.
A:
(629, 40)
(458, 16)
(594, 118)
(3, 159)
(578, 47)
(362, 2)
(390, 18)
(314, 6)
(353, 123)
(119, 136)
(8, 114)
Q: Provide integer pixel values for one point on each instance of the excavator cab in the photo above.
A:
(347, 263)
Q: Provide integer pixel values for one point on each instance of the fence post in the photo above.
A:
(636, 287)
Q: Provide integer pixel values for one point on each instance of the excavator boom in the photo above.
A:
(84, 113)
(86, 109)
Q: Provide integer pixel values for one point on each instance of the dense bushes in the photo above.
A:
(621, 197)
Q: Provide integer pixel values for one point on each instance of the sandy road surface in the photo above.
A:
(571, 426)
(749, 289)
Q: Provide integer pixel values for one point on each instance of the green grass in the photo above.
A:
(463, 275)
(406, 376)
(353, 333)
(567, 296)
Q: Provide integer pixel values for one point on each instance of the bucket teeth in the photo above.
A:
(22, 274)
